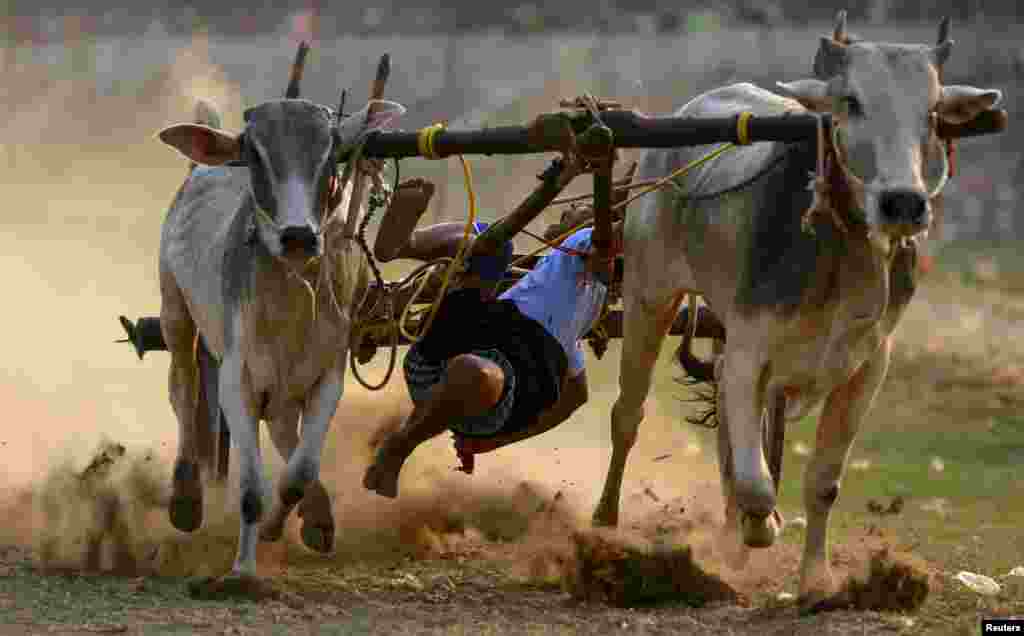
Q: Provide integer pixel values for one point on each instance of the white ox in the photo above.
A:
(809, 316)
(254, 263)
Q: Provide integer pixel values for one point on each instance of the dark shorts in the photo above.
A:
(532, 360)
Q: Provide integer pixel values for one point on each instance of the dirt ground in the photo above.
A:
(493, 553)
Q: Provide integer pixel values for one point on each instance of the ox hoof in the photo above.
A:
(761, 532)
(317, 520)
(814, 602)
(186, 505)
(318, 537)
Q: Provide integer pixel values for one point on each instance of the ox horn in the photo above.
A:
(296, 75)
(831, 55)
(944, 30)
(839, 30)
(341, 105)
(944, 45)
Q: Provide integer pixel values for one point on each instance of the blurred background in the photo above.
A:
(479, 63)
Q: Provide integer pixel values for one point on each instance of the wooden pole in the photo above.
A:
(635, 130)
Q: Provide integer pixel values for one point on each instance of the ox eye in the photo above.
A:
(853, 106)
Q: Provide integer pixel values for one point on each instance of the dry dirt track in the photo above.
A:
(86, 189)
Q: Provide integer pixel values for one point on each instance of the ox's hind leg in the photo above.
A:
(837, 428)
(315, 509)
(179, 332)
(645, 326)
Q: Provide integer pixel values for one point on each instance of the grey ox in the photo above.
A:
(254, 261)
(809, 315)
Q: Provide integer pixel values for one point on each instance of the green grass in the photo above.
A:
(982, 464)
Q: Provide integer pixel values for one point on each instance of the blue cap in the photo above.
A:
(490, 267)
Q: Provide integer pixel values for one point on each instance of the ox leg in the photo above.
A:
(244, 426)
(644, 329)
(315, 509)
(837, 428)
(179, 331)
(301, 477)
(742, 404)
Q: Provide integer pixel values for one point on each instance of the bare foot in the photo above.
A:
(408, 204)
(382, 475)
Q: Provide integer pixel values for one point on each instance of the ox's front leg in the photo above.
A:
(837, 428)
(301, 477)
(236, 400)
(742, 404)
(645, 326)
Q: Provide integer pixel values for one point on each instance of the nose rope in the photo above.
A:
(821, 201)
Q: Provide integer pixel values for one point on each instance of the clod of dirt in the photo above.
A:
(894, 508)
(610, 570)
(893, 583)
(241, 587)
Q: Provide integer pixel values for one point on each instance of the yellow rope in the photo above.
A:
(660, 183)
(452, 263)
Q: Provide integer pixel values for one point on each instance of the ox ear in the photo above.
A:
(811, 93)
(961, 104)
(202, 144)
(353, 126)
(385, 113)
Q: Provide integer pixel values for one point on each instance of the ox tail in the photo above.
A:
(213, 440)
(699, 322)
(206, 114)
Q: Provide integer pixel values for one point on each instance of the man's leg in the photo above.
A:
(471, 387)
